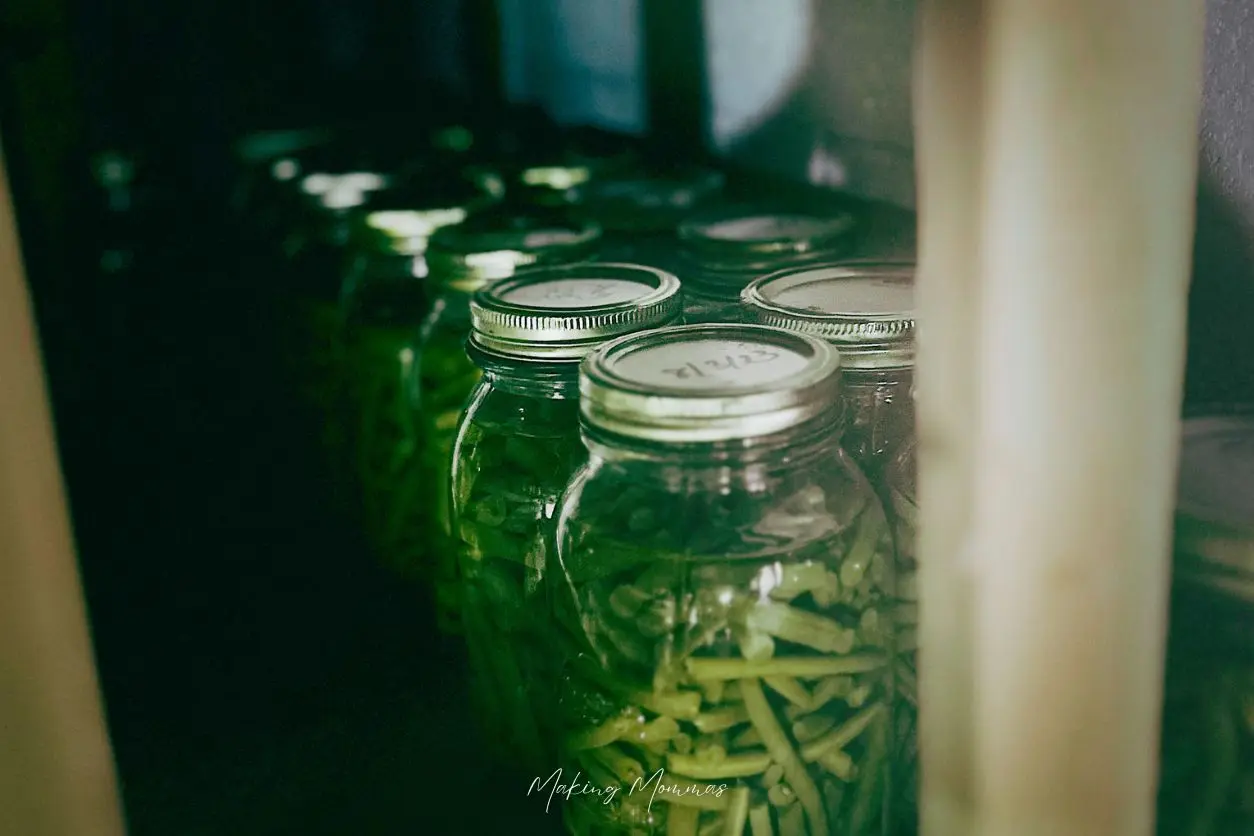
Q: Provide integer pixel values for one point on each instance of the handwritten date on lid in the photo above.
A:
(576, 293)
(711, 364)
(844, 294)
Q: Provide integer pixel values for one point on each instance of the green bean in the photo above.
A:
(800, 627)
(724, 718)
(801, 667)
(731, 766)
(839, 764)
(609, 732)
(619, 763)
(796, 579)
(843, 735)
(782, 753)
(682, 705)
(712, 827)
(871, 777)
(760, 821)
(812, 726)
(792, 821)
(831, 688)
(682, 821)
(790, 689)
(745, 739)
(737, 812)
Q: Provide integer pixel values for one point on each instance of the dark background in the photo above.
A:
(261, 676)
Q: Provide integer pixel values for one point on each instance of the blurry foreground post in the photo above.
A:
(1090, 151)
(948, 126)
(56, 769)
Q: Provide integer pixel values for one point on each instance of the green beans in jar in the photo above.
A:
(463, 259)
(385, 301)
(726, 593)
(517, 446)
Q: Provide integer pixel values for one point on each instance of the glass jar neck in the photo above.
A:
(529, 379)
(864, 378)
(722, 464)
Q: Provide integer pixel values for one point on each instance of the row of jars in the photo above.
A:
(701, 565)
(677, 548)
(675, 582)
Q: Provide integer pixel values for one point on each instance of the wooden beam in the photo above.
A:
(1090, 117)
(56, 767)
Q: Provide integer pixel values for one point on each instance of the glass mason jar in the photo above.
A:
(517, 445)
(385, 299)
(1206, 785)
(461, 260)
(725, 591)
(724, 251)
(310, 317)
(866, 310)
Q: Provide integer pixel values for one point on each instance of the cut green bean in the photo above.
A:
(626, 768)
(682, 821)
(780, 795)
(781, 750)
(790, 689)
(812, 727)
(800, 627)
(682, 705)
(802, 667)
(731, 766)
(713, 826)
(608, 732)
(839, 764)
(796, 579)
(746, 738)
(842, 735)
(737, 815)
(658, 731)
(721, 719)
(871, 777)
(792, 821)
(760, 821)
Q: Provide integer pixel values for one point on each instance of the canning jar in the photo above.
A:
(723, 251)
(462, 259)
(517, 445)
(385, 299)
(1207, 766)
(310, 317)
(866, 310)
(725, 591)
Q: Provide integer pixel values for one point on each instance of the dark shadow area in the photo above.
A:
(1221, 301)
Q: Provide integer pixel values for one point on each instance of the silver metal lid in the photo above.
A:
(704, 383)
(559, 314)
(319, 182)
(1215, 505)
(471, 255)
(865, 308)
(409, 230)
(738, 235)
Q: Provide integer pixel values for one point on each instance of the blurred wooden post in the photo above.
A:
(56, 768)
(1090, 154)
(948, 120)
